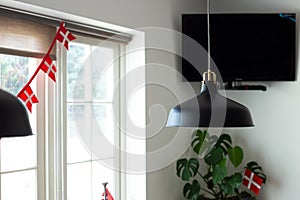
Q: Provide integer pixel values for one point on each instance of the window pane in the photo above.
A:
(18, 153)
(18, 185)
(90, 92)
(79, 181)
(103, 73)
(81, 123)
(78, 125)
(105, 121)
(90, 72)
(76, 59)
(14, 72)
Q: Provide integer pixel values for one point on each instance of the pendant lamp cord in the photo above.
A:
(209, 75)
(208, 34)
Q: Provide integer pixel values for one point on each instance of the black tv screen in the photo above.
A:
(244, 47)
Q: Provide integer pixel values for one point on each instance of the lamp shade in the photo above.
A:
(14, 121)
(210, 109)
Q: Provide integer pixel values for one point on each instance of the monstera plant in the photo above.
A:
(215, 154)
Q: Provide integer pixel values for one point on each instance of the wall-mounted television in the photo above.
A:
(244, 47)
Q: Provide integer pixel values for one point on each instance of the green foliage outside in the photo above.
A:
(76, 56)
(13, 72)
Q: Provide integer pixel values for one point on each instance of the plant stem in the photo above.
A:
(209, 192)
(212, 192)
(201, 176)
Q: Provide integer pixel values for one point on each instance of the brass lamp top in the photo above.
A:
(210, 76)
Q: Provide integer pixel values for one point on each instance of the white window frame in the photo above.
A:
(135, 61)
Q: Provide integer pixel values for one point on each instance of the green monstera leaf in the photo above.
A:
(235, 180)
(231, 183)
(200, 141)
(214, 156)
(224, 142)
(191, 191)
(219, 171)
(187, 168)
(236, 155)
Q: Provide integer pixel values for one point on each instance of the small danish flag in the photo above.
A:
(28, 97)
(49, 68)
(108, 196)
(64, 36)
(252, 181)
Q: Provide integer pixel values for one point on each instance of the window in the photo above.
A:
(18, 158)
(92, 106)
(91, 76)
(66, 159)
(23, 160)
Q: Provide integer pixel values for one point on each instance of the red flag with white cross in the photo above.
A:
(108, 195)
(64, 36)
(28, 97)
(252, 181)
(49, 68)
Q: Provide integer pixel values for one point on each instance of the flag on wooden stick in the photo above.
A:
(252, 181)
(106, 194)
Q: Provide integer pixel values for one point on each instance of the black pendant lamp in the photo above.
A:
(209, 108)
(14, 121)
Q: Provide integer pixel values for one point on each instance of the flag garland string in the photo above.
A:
(47, 66)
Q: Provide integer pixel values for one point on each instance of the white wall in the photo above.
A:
(130, 13)
(274, 140)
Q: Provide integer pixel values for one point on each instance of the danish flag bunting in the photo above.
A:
(109, 196)
(47, 65)
(64, 36)
(49, 68)
(252, 181)
(28, 97)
